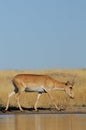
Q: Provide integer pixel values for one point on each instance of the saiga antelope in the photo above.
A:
(40, 84)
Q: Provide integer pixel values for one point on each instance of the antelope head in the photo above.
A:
(69, 87)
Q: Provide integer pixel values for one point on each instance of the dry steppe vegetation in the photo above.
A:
(28, 99)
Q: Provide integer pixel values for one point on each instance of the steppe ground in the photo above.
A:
(27, 100)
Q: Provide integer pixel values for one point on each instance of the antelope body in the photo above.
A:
(40, 84)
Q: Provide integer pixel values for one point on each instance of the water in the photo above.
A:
(43, 122)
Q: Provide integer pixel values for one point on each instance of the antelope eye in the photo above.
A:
(71, 88)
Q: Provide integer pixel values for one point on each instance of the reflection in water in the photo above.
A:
(43, 122)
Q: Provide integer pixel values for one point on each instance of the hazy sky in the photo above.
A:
(42, 34)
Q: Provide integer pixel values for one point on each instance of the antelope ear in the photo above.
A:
(67, 83)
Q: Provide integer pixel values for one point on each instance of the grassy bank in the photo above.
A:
(28, 99)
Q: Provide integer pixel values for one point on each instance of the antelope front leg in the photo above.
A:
(52, 99)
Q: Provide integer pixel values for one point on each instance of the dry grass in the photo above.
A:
(28, 99)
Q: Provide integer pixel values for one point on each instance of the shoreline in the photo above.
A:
(15, 110)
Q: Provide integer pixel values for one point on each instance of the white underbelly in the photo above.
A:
(38, 89)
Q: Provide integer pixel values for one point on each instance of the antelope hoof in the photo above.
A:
(21, 110)
(36, 110)
(59, 109)
(62, 108)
